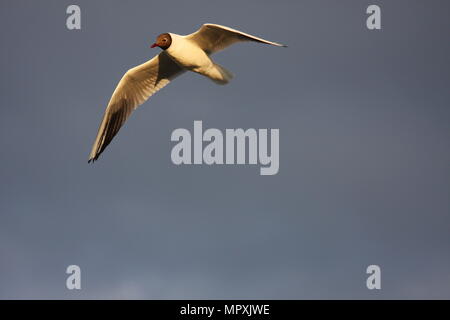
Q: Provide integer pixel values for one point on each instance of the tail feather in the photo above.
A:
(220, 75)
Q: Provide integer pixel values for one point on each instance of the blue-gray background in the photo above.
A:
(364, 154)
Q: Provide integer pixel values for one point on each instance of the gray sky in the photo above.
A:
(364, 154)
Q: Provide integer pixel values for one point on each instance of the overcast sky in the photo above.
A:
(364, 154)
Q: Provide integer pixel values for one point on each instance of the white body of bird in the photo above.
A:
(188, 55)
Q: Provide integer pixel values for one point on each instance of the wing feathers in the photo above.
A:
(213, 37)
(135, 87)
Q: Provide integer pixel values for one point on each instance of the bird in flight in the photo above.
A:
(179, 54)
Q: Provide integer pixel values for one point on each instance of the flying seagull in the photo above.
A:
(179, 54)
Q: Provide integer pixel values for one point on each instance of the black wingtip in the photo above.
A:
(93, 158)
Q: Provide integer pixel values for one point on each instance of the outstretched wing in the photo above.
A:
(135, 87)
(213, 38)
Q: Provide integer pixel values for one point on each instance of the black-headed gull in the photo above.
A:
(180, 53)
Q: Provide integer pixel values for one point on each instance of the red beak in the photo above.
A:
(153, 45)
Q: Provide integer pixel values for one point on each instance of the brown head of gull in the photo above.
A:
(163, 41)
